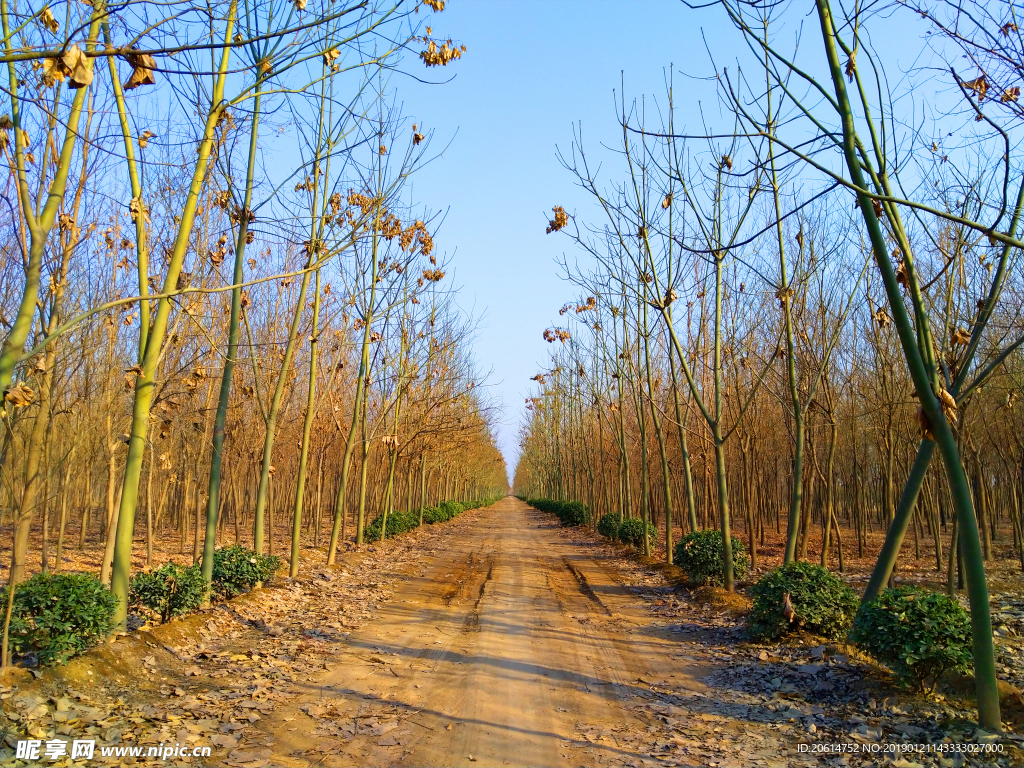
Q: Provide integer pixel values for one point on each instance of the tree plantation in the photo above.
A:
(751, 354)
(769, 480)
(202, 336)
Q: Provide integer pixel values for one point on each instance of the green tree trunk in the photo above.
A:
(145, 383)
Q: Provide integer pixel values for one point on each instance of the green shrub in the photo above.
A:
(171, 590)
(917, 634)
(575, 513)
(631, 531)
(398, 522)
(451, 509)
(237, 570)
(700, 555)
(608, 525)
(568, 512)
(58, 615)
(432, 515)
(821, 603)
(442, 513)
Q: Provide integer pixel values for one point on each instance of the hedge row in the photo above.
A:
(568, 512)
(400, 522)
(58, 615)
(917, 634)
(174, 590)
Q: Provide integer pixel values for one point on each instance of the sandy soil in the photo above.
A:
(497, 652)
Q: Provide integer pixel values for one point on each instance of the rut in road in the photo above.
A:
(493, 654)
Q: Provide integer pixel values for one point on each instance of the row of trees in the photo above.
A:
(219, 304)
(783, 318)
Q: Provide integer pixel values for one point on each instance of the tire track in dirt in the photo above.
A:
(494, 653)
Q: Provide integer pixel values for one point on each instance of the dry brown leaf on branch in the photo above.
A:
(19, 395)
(135, 207)
(78, 67)
(979, 86)
(925, 424)
(948, 405)
(53, 72)
(47, 18)
(440, 57)
(901, 274)
(142, 65)
(130, 375)
(560, 220)
(960, 337)
(783, 294)
(556, 334)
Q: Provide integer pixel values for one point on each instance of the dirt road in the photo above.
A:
(496, 653)
(497, 639)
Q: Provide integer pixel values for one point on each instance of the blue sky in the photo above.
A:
(532, 70)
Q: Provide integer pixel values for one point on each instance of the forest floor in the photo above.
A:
(497, 639)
